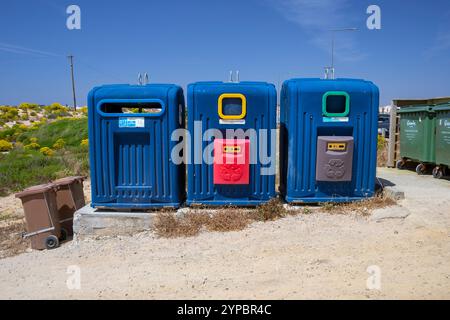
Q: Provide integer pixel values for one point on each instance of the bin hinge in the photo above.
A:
(143, 79)
(236, 77)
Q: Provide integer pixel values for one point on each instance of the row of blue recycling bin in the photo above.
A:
(142, 151)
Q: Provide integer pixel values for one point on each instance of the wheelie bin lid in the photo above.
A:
(68, 180)
(42, 188)
(420, 108)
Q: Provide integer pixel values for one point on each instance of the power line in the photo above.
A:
(101, 72)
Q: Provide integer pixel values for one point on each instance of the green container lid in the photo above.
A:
(442, 107)
(419, 108)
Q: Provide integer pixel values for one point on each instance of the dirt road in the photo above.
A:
(315, 255)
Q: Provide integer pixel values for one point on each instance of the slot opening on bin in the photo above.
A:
(336, 104)
(133, 108)
(232, 106)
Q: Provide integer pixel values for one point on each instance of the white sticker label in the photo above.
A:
(221, 121)
(335, 119)
(131, 122)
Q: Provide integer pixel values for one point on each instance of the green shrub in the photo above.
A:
(32, 146)
(72, 131)
(381, 142)
(6, 109)
(55, 107)
(23, 167)
(6, 134)
(28, 106)
(84, 110)
(84, 143)
(46, 151)
(59, 144)
(5, 146)
(10, 116)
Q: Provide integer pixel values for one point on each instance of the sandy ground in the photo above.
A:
(12, 224)
(317, 255)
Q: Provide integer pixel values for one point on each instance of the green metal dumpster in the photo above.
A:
(442, 140)
(417, 137)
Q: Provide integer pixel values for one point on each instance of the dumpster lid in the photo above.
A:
(423, 108)
(69, 180)
(42, 188)
(442, 107)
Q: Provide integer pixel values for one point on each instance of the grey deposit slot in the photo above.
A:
(334, 158)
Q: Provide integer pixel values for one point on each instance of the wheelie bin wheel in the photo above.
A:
(64, 234)
(400, 164)
(438, 173)
(51, 242)
(420, 169)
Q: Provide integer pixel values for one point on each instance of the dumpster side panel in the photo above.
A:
(443, 136)
(305, 122)
(284, 138)
(417, 134)
(205, 122)
(131, 153)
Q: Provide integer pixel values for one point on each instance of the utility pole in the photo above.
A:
(73, 83)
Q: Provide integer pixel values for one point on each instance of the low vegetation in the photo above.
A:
(11, 241)
(44, 152)
(169, 225)
(5, 146)
(382, 151)
(364, 207)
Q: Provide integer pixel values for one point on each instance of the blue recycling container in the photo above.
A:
(328, 139)
(233, 143)
(130, 146)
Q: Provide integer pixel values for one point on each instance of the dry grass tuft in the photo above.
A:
(11, 242)
(270, 211)
(197, 218)
(382, 153)
(364, 207)
(231, 219)
(168, 225)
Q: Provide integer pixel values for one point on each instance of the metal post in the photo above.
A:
(392, 136)
(73, 83)
(333, 44)
(332, 57)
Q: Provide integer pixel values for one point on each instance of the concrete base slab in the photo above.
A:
(90, 222)
(394, 193)
(396, 212)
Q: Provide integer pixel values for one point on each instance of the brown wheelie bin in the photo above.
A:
(69, 198)
(41, 214)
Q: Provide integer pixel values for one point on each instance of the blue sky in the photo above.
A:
(186, 41)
